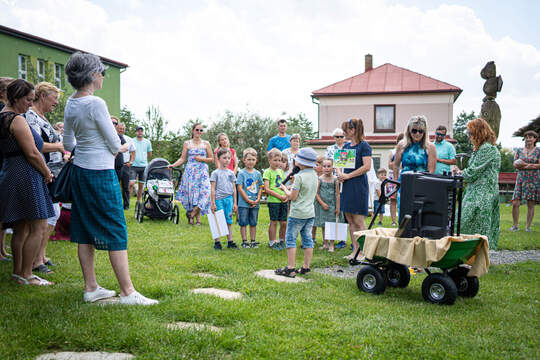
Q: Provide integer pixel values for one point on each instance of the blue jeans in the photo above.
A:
(302, 226)
(227, 205)
(248, 216)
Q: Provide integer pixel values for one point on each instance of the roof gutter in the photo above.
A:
(316, 102)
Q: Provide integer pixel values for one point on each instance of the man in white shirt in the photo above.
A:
(128, 156)
(143, 148)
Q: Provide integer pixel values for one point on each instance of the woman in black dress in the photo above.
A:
(25, 204)
(355, 192)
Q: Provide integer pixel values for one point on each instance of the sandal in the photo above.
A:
(303, 271)
(43, 269)
(42, 282)
(286, 272)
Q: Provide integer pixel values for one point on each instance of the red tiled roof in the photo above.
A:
(55, 45)
(371, 139)
(387, 79)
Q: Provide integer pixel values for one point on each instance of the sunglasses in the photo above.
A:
(199, 130)
(103, 73)
(115, 123)
(440, 134)
(419, 131)
(339, 136)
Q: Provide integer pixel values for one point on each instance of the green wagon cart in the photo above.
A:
(438, 287)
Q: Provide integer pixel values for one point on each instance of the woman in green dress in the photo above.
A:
(481, 199)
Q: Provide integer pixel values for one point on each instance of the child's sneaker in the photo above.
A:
(340, 245)
(271, 243)
(379, 223)
(277, 246)
(514, 229)
(245, 245)
(217, 245)
(254, 245)
(231, 245)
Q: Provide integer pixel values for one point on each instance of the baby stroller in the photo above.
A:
(158, 196)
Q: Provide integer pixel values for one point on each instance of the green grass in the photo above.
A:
(326, 318)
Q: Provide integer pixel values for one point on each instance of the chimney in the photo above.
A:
(369, 62)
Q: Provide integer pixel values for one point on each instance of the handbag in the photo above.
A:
(60, 189)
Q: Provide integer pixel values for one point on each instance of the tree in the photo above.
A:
(127, 117)
(463, 144)
(507, 159)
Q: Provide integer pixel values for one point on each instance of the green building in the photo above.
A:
(36, 59)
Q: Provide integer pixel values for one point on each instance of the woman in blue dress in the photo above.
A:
(194, 190)
(25, 204)
(415, 152)
(355, 189)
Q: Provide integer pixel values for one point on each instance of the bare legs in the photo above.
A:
(119, 263)
(393, 210)
(40, 257)
(291, 257)
(356, 223)
(515, 212)
(24, 244)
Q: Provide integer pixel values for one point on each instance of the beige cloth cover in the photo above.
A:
(421, 252)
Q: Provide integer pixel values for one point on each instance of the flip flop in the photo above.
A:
(42, 282)
(43, 269)
(20, 278)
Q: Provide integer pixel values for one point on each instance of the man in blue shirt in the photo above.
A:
(143, 151)
(281, 141)
(446, 154)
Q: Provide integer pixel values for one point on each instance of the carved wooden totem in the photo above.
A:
(490, 109)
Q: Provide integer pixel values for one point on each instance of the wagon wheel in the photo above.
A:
(371, 280)
(439, 289)
(467, 286)
(397, 275)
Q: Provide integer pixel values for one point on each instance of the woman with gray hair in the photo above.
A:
(339, 137)
(97, 214)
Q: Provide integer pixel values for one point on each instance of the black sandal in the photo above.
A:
(303, 271)
(286, 272)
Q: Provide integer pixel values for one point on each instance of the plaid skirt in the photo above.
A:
(97, 214)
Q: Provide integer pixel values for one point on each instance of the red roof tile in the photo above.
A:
(387, 79)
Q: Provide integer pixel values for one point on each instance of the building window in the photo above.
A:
(23, 72)
(41, 70)
(385, 118)
(376, 162)
(58, 75)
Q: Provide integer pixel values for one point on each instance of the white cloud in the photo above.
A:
(198, 60)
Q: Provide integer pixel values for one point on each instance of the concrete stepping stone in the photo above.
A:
(224, 294)
(206, 275)
(69, 355)
(270, 274)
(181, 325)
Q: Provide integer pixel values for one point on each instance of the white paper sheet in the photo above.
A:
(330, 231)
(220, 228)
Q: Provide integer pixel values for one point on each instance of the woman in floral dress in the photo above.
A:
(527, 163)
(194, 191)
(481, 200)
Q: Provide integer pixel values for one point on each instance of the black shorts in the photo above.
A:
(139, 173)
(278, 211)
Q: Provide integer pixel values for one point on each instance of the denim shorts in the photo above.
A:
(227, 205)
(376, 205)
(302, 226)
(248, 216)
(278, 211)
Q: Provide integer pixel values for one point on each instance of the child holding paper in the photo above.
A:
(223, 194)
(327, 200)
(277, 200)
(319, 172)
(302, 213)
(249, 185)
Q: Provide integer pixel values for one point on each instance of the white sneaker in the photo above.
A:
(98, 294)
(514, 229)
(135, 298)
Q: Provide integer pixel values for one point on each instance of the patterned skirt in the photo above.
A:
(97, 213)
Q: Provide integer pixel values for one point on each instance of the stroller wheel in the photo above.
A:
(137, 206)
(140, 214)
(439, 289)
(370, 279)
(175, 216)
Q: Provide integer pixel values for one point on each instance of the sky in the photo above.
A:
(197, 59)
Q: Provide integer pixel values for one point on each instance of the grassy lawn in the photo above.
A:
(325, 318)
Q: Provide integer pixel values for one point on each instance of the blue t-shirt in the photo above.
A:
(251, 183)
(142, 148)
(279, 142)
(445, 151)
